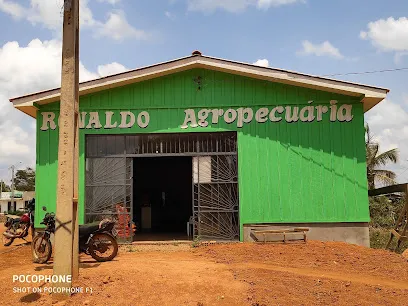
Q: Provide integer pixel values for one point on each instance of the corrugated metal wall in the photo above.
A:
(302, 173)
(288, 172)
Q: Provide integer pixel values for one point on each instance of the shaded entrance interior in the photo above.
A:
(162, 197)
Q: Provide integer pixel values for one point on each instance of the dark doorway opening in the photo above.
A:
(162, 197)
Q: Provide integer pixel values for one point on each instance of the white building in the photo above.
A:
(21, 199)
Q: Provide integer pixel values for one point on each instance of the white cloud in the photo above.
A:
(170, 15)
(118, 28)
(405, 98)
(113, 2)
(14, 145)
(109, 69)
(212, 5)
(388, 34)
(387, 114)
(235, 6)
(86, 18)
(262, 62)
(46, 13)
(265, 4)
(12, 8)
(323, 49)
(49, 13)
(388, 122)
(23, 70)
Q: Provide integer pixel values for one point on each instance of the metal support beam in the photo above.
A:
(66, 255)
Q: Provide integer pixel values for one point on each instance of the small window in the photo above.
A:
(11, 207)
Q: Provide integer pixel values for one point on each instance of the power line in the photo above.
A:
(403, 172)
(366, 72)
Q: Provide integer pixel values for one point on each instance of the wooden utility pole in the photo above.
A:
(75, 242)
(66, 233)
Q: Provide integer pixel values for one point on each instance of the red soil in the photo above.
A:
(315, 273)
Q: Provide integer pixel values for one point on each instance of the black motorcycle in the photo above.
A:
(95, 239)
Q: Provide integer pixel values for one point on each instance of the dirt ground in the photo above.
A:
(315, 273)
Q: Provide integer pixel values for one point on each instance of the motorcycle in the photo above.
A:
(19, 227)
(95, 239)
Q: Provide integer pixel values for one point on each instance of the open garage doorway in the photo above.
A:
(167, 184)
(162, 197)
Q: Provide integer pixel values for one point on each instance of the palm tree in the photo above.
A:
(376, 160)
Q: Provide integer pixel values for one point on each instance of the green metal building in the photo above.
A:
(215, 146)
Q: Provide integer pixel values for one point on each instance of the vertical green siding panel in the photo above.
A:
(327, 188)
(294, 207)
(318, 162)
(344, 168)
(271, 164)
(338, 171)
(46, 171)
(284, 175)
(360, 169)
(241, 189)
(288, 172)
(39, 169)
(308, 169)
(352, 209)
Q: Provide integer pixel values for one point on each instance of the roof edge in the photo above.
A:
(296, 73)
(370, 93)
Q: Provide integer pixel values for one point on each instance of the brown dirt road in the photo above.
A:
(315, 273)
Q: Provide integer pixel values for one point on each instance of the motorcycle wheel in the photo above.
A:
(7, 241)
(103, 247)
(42, 249)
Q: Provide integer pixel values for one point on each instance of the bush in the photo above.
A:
(384, 212)
(379, 238)
(16, 213)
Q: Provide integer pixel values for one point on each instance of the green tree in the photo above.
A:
(5, 188)
(25, 180)
(376, 160)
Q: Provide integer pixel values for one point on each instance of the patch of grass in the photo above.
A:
(196, 242)
(131, 249)
(379, 238)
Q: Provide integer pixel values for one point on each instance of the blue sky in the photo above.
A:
(311, 36)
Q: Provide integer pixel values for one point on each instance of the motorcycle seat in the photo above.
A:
(87, 229)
